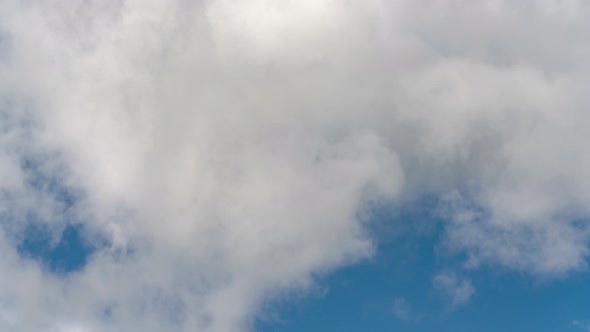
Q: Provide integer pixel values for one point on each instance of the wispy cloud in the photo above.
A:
(581, 325)
(402, 309)
(457, 291)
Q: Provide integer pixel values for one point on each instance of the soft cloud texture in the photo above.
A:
(402, 309)
(457, 291)
(225, 152)
(581, 325)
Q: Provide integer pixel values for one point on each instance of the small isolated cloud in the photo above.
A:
(457, 291)
(402, 309)
(582, 325)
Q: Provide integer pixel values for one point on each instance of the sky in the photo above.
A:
(266, 165)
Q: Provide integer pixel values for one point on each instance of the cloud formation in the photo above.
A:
(457, 291)
(225, 152)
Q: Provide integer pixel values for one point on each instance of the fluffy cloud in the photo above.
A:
(228, 151)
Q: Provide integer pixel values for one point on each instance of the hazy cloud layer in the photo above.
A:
(226, 151)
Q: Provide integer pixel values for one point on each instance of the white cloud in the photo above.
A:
(230, 147)
(458, 291)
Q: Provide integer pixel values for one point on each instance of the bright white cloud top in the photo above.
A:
(225, 152)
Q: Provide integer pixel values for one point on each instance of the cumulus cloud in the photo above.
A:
(227, 151)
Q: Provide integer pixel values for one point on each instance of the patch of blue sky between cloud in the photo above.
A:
(69, 252)
(414, 285)
(44, 173)
(392, 289)
(60, 245)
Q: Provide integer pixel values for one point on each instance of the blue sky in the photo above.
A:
(363, 296)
